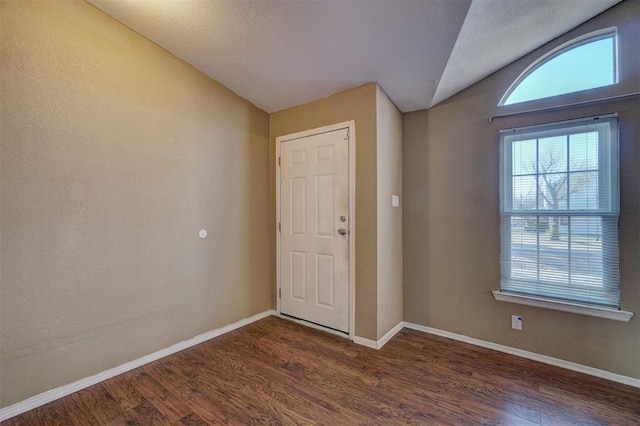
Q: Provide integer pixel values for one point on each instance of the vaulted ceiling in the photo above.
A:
(282, 53)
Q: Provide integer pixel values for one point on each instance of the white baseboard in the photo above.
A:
(603, 374)
(365, 342)
(62, 391)
(382, 341)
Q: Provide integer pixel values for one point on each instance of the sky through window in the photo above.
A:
(586, 66)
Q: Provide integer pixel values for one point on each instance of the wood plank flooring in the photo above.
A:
(278, 372)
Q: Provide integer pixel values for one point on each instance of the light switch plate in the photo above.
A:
(395, 200)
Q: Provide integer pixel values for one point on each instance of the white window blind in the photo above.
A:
(559, 208)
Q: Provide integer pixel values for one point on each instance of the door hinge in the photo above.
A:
(278, 161)
(279, 227)
(280, 292)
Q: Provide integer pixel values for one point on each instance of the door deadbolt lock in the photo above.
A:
(343, 219)
(342, 231)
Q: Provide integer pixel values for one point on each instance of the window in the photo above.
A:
(559, 211)
(584, 63)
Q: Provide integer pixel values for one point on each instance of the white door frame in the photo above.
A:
(351, 125)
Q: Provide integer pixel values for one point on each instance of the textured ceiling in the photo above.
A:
(497, 32)
(279, 54)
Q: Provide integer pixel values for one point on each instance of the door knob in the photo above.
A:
(342, 231)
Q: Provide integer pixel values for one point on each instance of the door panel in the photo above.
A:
(314, 257)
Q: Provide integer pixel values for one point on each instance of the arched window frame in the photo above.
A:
(560, 50)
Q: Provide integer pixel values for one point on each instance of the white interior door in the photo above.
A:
(314, 235)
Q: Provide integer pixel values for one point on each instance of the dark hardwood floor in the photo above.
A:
(278, 372)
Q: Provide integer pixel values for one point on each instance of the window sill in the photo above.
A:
(576, 308)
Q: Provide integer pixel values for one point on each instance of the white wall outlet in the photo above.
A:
(516, 322)
(395, 201)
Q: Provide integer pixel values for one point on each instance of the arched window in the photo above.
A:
(584, 63)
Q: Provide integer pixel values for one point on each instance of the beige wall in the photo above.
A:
(378, 260)
(358, 104)
(451, 221)
(113, 155)
(389, 166)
